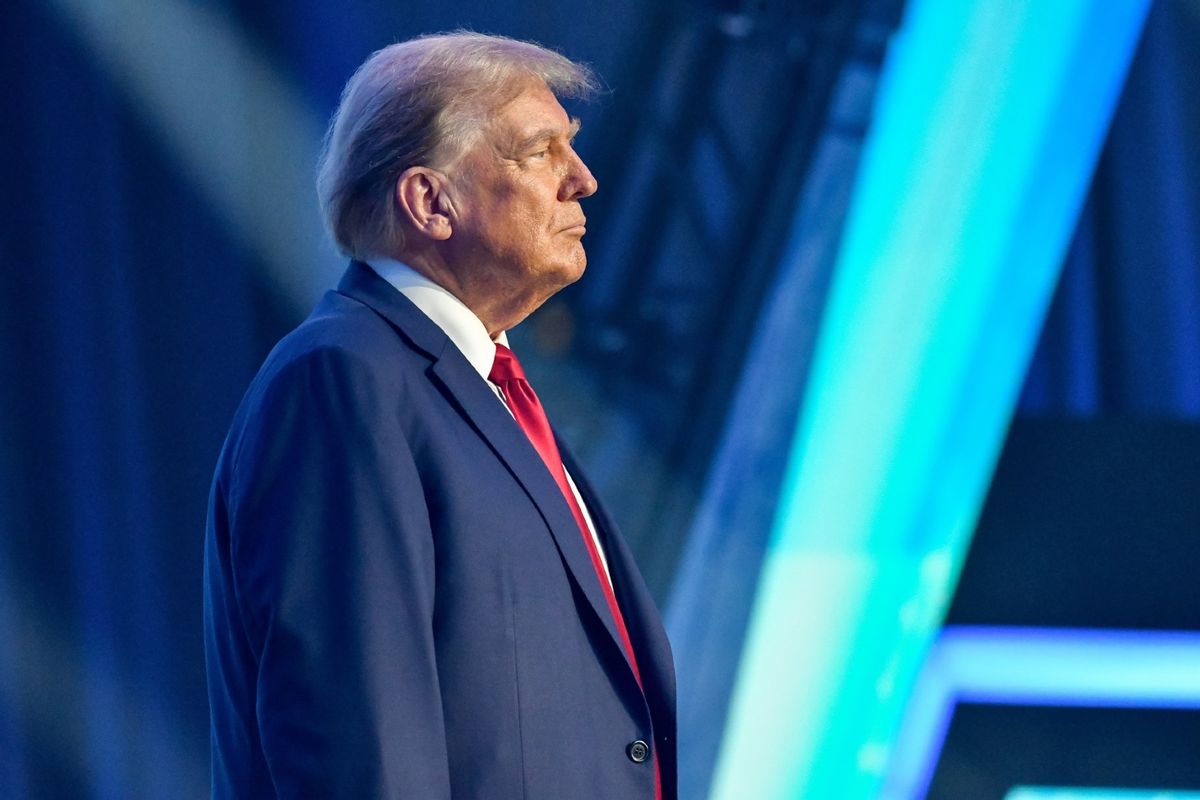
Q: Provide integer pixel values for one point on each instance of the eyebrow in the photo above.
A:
(546, 134)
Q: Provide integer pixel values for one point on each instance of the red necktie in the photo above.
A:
(527, 409)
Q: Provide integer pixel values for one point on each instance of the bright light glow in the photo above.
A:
(1063, 793)
(988, 123)
(1038, 666)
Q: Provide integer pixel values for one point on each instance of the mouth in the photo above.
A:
(576, 228)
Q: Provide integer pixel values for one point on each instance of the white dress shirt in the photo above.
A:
(470, 336)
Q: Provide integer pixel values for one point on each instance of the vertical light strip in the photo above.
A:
(987, 127)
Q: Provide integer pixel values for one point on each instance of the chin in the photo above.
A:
(563, 275)
(577, 266)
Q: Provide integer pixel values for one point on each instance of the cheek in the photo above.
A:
(518, 241)
(531, 227)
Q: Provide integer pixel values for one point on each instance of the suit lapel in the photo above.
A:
(475, 401)
(637, 605)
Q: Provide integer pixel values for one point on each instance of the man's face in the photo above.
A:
(519, 224)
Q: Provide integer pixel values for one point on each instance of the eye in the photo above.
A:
(540, 153)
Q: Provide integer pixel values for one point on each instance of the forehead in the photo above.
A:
(533, 113)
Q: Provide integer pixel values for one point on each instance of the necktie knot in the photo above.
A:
(506, 367)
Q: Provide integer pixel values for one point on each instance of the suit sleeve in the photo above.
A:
(334, 572)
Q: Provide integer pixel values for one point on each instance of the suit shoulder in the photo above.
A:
(344, 366)
(341, 327)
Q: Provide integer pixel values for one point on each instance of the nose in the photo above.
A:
(578, 181)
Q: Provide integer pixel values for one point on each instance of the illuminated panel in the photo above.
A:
(1062, 793)
(988, 123)
(1038, 666)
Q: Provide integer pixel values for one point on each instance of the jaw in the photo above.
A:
(506, 312)
(499, 286)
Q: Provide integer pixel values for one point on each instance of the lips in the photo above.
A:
(576, 226)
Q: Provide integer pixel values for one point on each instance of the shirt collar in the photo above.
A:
(449, 313)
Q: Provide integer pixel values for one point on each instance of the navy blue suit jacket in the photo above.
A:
(398, 602)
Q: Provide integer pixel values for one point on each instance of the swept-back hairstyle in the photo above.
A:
(420, 103)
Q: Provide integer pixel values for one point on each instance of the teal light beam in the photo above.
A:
(988, 123)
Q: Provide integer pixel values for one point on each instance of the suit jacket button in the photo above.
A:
(638, 751)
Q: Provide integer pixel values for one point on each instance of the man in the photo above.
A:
(410, 589)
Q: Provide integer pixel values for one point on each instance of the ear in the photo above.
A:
(422, 197)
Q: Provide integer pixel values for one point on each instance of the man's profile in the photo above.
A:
(411, 590)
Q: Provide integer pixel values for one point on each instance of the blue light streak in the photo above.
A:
(1038, 666)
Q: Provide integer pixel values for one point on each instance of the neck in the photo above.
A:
(496, 305)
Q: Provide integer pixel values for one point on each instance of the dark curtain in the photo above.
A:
(128, 324)
(1123, 334)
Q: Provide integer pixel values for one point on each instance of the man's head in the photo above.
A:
(452, 152)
